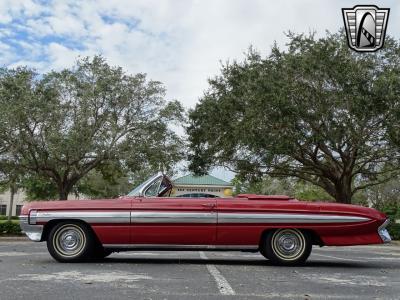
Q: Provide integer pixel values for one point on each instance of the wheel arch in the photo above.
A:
(315, 238)
(49, 225)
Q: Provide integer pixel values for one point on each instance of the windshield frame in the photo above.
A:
(140, 190)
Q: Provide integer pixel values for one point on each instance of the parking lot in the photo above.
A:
(368, 272)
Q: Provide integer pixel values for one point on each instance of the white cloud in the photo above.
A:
(61, 56)
(12, 9)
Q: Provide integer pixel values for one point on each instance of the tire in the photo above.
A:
(101, 253)
(71, 242)
(286, 246)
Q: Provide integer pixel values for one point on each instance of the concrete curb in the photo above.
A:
(13, 238)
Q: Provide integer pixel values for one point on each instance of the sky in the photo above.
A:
(178, 42)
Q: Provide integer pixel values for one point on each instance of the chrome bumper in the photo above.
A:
(383, 233)
(34, 232)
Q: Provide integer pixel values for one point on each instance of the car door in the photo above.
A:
(175, 221)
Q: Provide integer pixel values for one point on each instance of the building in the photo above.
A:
(201, 186)
(19, 198)
(19, 201)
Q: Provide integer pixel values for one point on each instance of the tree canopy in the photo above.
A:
(316, 111)
(62, 125)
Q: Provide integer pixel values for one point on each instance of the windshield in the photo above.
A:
(139, 189)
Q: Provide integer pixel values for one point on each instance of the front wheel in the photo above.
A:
(286, 246)
(70, 242)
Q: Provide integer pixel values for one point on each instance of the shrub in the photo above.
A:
(394, 229)
(10, 228)
(393, 214)
(3, 218)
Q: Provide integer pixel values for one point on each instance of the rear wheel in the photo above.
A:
(286, 246)
(70, 242)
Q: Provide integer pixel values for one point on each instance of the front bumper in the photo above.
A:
(383, 233)
(34, 232)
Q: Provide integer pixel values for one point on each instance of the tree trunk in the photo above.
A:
(62, 195)
(12, 193)
(343, 192)
(63, 191)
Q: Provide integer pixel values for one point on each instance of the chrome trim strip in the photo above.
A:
(286, 218)
(182, 247)
(117, 217)
(33, 232)
(209, 217)
(173, 217)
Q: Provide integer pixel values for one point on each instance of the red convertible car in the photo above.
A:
(282, 228)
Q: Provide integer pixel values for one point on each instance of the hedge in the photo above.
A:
(10, 228)
(2, 217)
(394, 230)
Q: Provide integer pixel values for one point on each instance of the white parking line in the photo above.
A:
(223, 285)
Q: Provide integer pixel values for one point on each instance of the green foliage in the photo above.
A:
(62, 125)
(10, 228)
(5, 218)
(265, 186)
(96, 185)
(39, 188)
(308, 192)
(317, 111)
(393, 213)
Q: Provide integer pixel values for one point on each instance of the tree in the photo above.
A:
(317, 111)
(62, 125)
(10, 179)
(37, 187)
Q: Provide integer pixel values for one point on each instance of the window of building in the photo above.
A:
(3, 209)
(18, 210)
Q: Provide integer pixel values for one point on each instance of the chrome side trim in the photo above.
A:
(383, 233)
(173, 217)
(286, 218)
(209, 217)
(33, 232)
(117, 217)
(180, 247)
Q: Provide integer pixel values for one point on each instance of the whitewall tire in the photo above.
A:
(286, 246)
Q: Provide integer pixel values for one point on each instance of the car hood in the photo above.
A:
(99, 204)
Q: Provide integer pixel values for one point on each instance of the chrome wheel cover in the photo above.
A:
(69, 240)
(288, 244)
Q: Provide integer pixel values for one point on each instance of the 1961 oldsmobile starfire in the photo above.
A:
(283, 229)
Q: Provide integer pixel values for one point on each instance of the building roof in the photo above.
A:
(200, 180)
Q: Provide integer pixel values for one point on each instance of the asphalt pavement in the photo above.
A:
(364, 272)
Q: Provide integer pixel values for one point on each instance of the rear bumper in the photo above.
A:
(33, 232)
(383, 233)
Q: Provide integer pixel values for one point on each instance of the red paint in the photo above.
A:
(221, 234)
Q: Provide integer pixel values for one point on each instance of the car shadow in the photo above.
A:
(230, 262)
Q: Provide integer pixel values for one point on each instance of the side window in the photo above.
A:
(152, 190)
